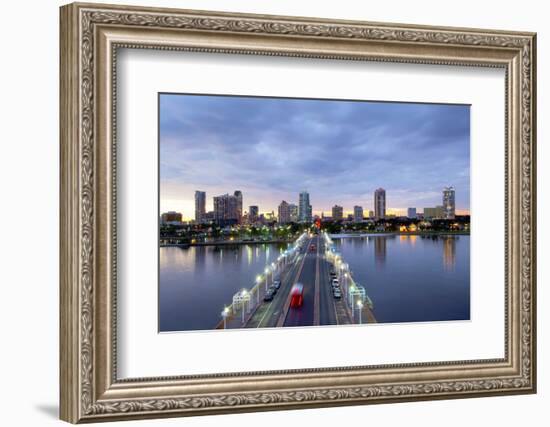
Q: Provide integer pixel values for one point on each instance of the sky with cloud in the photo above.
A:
(339, 151)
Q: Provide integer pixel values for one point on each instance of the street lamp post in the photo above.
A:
(258, 281)
(360, 308)
(266, 271)
(242, 297)
(225, 313)
(245, 299)
(346, 276)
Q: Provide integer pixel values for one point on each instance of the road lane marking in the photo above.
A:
(286, 307)
(332, 301)
(287, 273)
(263, 317)
(335, 311)
(317, 300)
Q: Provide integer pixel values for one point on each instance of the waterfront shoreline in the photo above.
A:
(400, 233)
(335, 236)
(227, 243)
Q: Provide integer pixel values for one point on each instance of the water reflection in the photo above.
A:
(200, 259)
(449, 252)
(412, 278)
(409, 278)
(249, 254)
(380, 250)
(195, 283)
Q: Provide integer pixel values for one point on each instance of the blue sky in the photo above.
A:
(339, 151)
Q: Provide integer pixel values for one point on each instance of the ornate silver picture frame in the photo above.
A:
(91, 35)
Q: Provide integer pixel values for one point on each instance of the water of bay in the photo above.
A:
(412, 278)
(197, 282)
(408, 278)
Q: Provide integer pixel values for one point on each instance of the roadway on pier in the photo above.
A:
(311, 269)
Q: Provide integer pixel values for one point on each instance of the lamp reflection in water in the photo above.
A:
(380, 250)
(449, 253)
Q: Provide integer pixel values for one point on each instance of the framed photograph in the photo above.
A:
(266, 212)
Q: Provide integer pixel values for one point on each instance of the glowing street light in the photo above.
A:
(242, 297)
(356, 291)
(258, 281)
(224, 314)
(245, 298)
(360, 308)
(346, 281)
(266, 271)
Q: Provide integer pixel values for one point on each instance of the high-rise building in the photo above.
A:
(358, 213)
(239, 195)
(270, 216)
(411, 213)
(171, 218)
(380, 203)
(304, 207)
(293, 210)
(200, 205)
(208, 217)
(434, 213)
(337, 213)
(253, 212)
(283, 212)
(226, 209)
(449, 202)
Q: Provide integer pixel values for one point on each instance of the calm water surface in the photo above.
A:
(412, 278)
(408, 278)
(197, 282)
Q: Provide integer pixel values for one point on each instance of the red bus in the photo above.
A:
(297, 295)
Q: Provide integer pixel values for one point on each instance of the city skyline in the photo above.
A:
(209, 207)
(339, 151)
(228, 207)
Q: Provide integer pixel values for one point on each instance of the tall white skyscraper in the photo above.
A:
(304, 207)
(200, 205)
(449, 203)
(283, 213)
(380, 203)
